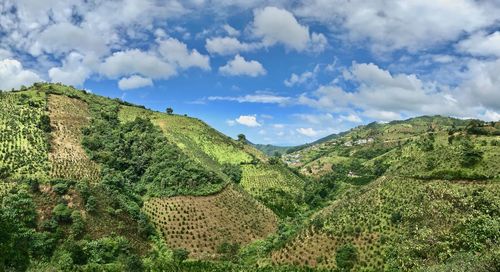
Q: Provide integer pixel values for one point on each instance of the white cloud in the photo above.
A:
(239, 67)
(228, 46)
(231, 31)
(309, 132)
(134, 82)
(134, 61)
(482, 44)
(298, 79)
(72, 72)
(177, 52)
(66, 37)
(274, 25)
(410, 24)
(254, 98)
(351, 118)
(491, 116)
(248, 120)
(13, 75)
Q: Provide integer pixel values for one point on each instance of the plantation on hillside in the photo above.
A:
(401, 223)
(96, 184)
(204, 225)
(24, 132)
(274, 185)
(68, 116)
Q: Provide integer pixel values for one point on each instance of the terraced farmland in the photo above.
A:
(202, 224)
(24, 147)
(394, 217)
(68, 116)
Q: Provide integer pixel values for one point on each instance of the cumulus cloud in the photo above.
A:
(73, 71)
(241, 67)
(13, 75)
(248, 120)
(55, 39)
(274, 25)
(228, 46)
(134, 82)
(481, 44)
(298, 79)
(392, 25)
(231, 31)
(309, 132)
(177, 52)
(134, 61)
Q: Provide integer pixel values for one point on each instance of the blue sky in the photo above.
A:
(281, 72)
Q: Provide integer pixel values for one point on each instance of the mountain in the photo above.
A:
(89, 183)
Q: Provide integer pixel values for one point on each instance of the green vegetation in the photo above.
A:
(89, 183)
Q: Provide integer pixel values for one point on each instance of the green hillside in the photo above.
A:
(89, 183)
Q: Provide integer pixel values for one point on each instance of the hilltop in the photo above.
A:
(89, 183)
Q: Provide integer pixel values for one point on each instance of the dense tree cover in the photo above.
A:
(137, 155)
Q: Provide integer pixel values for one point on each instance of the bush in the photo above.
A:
(78, 226)
(233, 171)
(62, 213)
(91, 205)
(346, 257)
(60, 188)
(180, 255)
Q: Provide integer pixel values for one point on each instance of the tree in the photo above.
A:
(233, 171)
(62, 213)
(242, 138)
(470, 155)
(346, 257)
(169, 110)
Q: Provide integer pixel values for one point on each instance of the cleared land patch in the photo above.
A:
(68, 116)
(202, 224)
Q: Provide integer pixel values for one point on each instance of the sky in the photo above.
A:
(281, 72)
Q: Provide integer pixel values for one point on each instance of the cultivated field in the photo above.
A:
(398, 217)
(68, 116)
(23, 148)
(202, 224)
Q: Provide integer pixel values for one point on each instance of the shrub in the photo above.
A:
(233, 171)
(91, 205)
(62, 213)
(180, 255)
(60, 188)
(346, 257)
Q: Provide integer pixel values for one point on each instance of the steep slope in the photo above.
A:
(438, 200)
(91, 170)
(397, 223)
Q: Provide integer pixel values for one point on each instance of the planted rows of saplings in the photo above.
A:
(203, 224)
(214, 144)
(346, 223)
(23, 134)
(259, 178)
(68, 117)
(396, 222)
